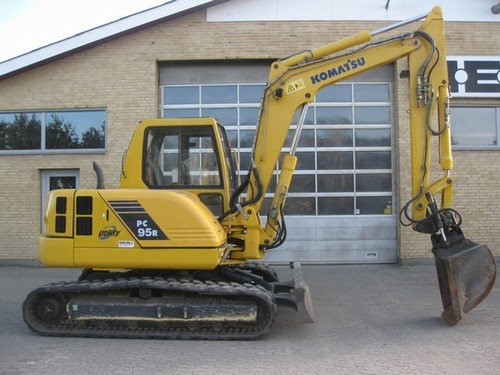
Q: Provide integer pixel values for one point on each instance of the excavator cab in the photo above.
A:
(190, 154)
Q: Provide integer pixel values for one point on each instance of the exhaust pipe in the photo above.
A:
(495, 9)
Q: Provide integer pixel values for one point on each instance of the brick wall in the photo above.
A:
(121, 76)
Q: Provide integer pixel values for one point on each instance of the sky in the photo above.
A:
(26, 25)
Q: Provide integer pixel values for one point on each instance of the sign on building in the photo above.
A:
(474, 76)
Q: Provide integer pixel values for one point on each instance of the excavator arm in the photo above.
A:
(294, 82)
(466, 271)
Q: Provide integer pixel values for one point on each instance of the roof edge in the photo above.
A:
(98, 34)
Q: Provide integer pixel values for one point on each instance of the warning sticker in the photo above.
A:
(295, 86)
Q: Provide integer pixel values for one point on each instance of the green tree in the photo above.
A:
(93, 137)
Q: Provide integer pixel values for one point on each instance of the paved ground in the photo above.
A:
(372, 319)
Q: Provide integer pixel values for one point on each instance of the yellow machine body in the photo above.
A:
(110, 229)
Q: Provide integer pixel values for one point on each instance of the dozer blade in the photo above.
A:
(466, 273)
(302, 296)
(295, 294)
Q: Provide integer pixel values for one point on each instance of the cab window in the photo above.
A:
(181, 157)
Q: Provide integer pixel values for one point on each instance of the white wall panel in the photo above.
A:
(295, 10)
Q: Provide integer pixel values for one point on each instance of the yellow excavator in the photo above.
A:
(171, 253)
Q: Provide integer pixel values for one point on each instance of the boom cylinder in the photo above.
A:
(328, 49)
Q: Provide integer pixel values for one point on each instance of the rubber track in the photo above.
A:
(267, 310)
(261, 269)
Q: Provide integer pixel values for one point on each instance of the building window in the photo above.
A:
(475, 127)
(344, 154)
(48, 131)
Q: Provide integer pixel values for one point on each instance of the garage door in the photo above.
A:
(341, 203)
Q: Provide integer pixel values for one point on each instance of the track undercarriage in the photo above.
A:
(231, 303)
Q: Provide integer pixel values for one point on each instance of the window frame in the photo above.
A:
(496, 147)
(182, 133)
(43, 113)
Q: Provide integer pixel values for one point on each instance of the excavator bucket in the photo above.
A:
(466, 273)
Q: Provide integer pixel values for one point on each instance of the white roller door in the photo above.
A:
(342, 199)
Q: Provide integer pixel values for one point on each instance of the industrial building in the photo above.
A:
(78, 100)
